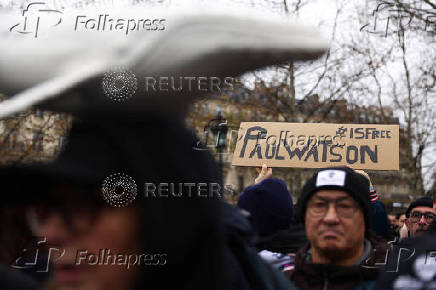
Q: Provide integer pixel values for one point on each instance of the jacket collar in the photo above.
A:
(365, 270)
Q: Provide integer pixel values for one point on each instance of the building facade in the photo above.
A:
(265, 104)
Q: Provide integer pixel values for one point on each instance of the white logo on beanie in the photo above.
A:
(330, 177)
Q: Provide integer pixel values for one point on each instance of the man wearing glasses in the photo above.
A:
(420, 214)
(335, 207)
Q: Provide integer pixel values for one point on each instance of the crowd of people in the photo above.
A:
(58, 232)
(337, 235)
(351, 240)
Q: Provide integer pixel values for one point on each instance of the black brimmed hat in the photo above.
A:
(423, 201)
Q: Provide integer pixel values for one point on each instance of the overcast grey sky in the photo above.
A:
(320, 13)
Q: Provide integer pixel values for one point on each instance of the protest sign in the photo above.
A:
(317, 145)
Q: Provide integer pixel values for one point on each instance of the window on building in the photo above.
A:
(39, 113)
(218, 109)
(61, 142)
(204, 110)
(238, 113)
(13, 139)
(241, 183)
(37, 142)
(332, 112)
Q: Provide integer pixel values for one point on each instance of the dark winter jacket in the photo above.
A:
(379, 221)
(405, 249)
(10, 279)
(247, 270)
(432, 228)
(414, 268)
(325, 276)
(285, 241)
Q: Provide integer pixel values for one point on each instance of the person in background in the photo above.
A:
(420, 214)
(269, 204)
(270, 207)
(401, 217)
(289, 240)
(402, 227)
(412, 263)
(271, 211)
(379, 222)
(417, 271)
(404, 232)
(393, 220)
(336, 209)
(394, 226)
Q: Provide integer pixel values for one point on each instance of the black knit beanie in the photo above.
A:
(342, 178)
